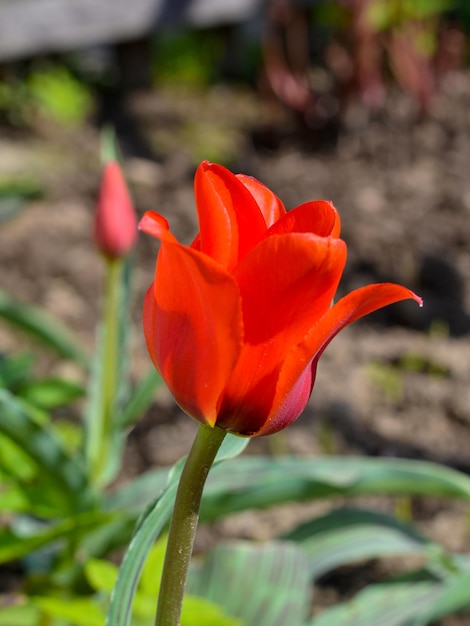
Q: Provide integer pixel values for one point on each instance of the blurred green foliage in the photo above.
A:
(187, 57)
(51, 90)
(59, 95)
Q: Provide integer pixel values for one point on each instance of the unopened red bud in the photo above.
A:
(115, 230)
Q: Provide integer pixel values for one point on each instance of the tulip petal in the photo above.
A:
(270, 205)
(350, 308)
(156, 225)
(193, 327)
(318, 217)
(230, 220)
(286, 283)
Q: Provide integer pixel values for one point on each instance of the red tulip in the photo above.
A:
(115, 219)
(236, 322)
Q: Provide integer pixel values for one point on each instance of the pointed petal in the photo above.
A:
(230, 220)
(270, 205)
(286, 282)
(306, 354)
(292, 405)
(156, 225)
(193, 328)
(318, 217)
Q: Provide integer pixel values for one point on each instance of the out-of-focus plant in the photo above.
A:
(51, 90)
(55, 467)
(101, 576)
(410, 38)
(59, 95)
(186, 58)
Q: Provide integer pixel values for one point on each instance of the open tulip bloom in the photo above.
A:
(236, 323)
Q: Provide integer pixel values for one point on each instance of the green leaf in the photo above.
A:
(453, 597)
(14, 462)
(60, 95)
(145, 488)
(140, 399)
(252, 482)
(101, 575)
(150, 526)
(401, 603)
(153, 569)
(77, 611)
(263, 584)
(138, 492)
(21, 614)
(13, 499)
(148, 529)
(197, 611)
(261, 482)
(15, 369)
(63, 472)
(41, 327)
(14, 545)
(386, 604)
(348, 535)
(51, 393)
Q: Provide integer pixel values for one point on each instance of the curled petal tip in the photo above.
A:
(156, 225)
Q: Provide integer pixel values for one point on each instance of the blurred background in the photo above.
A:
(362, 102)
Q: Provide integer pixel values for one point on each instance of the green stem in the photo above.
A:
(101, 425)
(184, 524)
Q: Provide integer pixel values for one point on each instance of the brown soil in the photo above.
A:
(402, 188)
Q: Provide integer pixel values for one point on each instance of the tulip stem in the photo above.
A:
(101, 420)
(184, 524)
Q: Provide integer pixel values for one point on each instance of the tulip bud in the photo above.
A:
(115, 229)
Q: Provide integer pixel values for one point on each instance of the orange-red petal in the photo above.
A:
(193, 327)
(230, 219)
(156, 225)
(318, 217)
(306, 353)
(270, 205)
(286, 283)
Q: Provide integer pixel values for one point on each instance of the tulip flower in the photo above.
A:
(115, 219)
(236, 322)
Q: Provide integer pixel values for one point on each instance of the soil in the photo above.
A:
(395, 384)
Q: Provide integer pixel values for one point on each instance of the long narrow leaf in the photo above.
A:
(261, 482)
(253, 482)
(454, 596)
(14, 545)
(269, 583)
(401, 604)
(42, 327)
(65, 474)
(348, 535)
(140, 399)
(381, 605)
